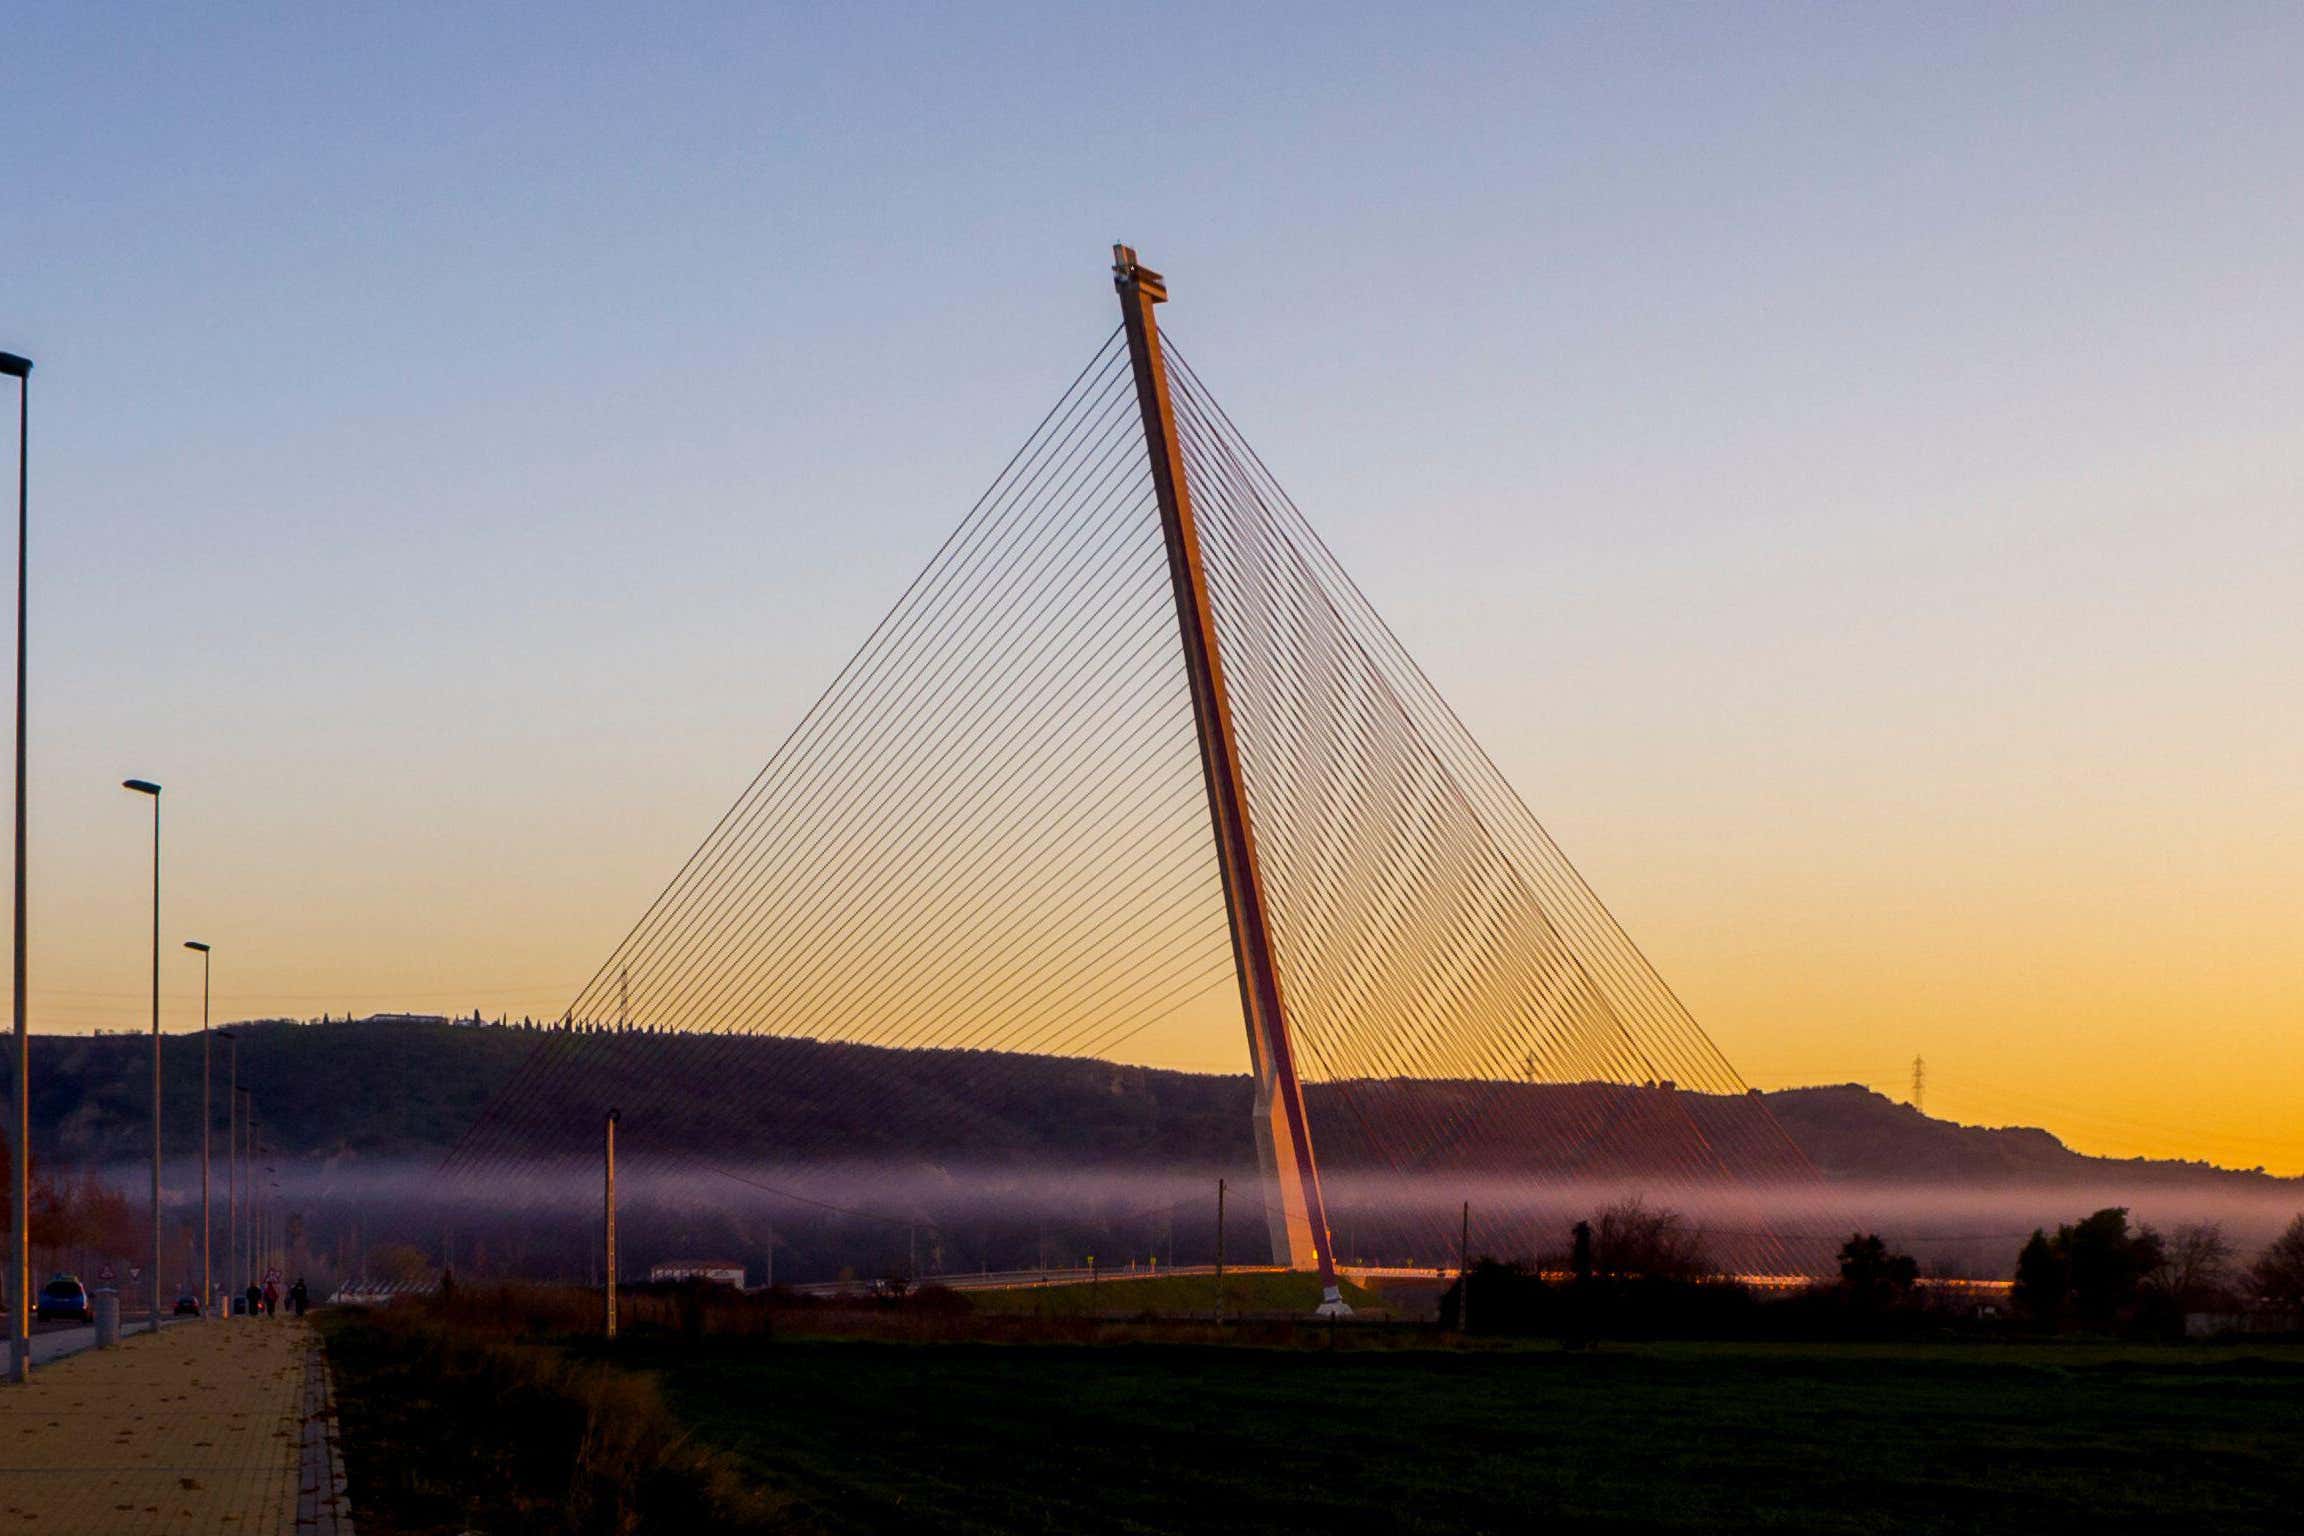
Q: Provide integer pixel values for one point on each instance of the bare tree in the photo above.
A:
(2195, 1264)
(2279, 1269)
(1628, 1238)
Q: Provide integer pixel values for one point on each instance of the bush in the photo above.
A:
(1871, 1277)
(1518, 1301)
(2093, 1271)
(450, 1420)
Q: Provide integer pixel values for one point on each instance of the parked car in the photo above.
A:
(64, 1297)
(187, 1305)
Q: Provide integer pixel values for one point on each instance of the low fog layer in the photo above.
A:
(797, 1224)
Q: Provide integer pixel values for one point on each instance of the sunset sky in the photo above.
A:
(1842, 461)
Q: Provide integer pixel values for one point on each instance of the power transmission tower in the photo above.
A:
(1919, 1084)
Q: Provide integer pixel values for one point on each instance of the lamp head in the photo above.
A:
(15, 367)
(141, 786)
(196, 944)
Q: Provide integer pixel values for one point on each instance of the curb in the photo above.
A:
(323, 1508)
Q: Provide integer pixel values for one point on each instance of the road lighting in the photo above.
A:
(231, 1153)
(248, 1161)
(19, 1286)
(147, 787)
(207, 1119)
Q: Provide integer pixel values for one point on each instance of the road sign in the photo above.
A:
(105, 1276)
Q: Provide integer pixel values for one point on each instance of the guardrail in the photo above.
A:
(370, 1293)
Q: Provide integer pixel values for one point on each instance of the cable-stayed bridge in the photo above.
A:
(1132, 759)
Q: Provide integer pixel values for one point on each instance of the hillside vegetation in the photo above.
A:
(399, 1089)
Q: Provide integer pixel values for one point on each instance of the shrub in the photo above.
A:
(448, 1414)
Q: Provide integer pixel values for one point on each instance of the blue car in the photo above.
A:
(64, 1297)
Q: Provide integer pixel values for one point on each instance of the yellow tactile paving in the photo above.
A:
(193, 1433)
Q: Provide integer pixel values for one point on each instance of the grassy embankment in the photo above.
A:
(1148, 1435)
(1291, 1294)
(453, 1423)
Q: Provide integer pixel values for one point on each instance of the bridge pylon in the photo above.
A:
(1293, 1207)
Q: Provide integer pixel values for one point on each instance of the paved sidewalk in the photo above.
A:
(58, 1343)
(198, 1432)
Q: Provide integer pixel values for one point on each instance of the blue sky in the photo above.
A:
(1842, 460)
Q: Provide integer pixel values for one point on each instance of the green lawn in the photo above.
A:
(1182, 1438)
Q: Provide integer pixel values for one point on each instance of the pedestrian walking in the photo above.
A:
(298, 1297)
(271, 1298)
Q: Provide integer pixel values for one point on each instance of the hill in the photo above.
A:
(408, 1090)
(360, 1088)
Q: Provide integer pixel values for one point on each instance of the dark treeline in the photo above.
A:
(361, 1088)
(1636, 1272)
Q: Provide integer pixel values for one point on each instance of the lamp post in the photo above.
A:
(19, 1286)
(247, 1253)
(255, 1215)
(207, 1119)
(147, 787)
(231, 1152)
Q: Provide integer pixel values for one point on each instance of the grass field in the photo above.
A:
(1161, 1438)
(1170, 1295)
(491, 1415)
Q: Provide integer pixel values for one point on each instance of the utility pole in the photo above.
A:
(207, 1128)
(245, 1254)
(19, 1286)
(609, 1222)
(147, 787)
(1283, 1139)
(1464, 1272)
(255, 1217)
(1919, 1085)
(1219, 1251)
(231, 1163)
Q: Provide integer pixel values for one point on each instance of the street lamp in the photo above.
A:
(207, 1123)
(147, 787)
(19, 1285)
(248, 1161)
(231, 1155)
